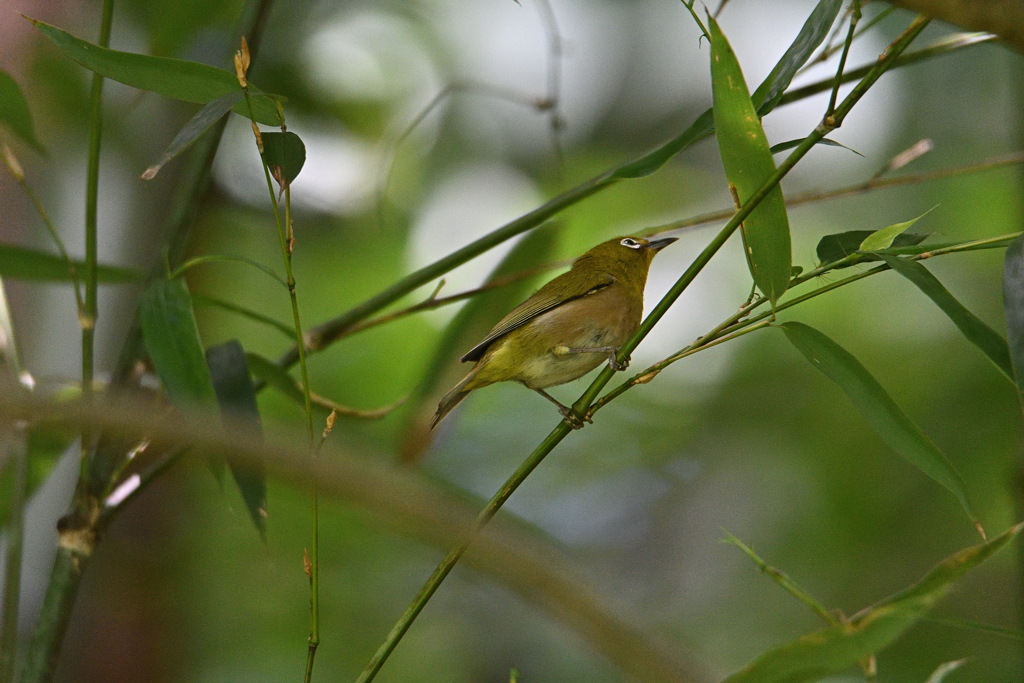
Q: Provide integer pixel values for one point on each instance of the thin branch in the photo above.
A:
(854, 18)
(225, 258)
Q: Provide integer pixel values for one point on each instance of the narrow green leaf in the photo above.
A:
(14, 112)
(767, 95)
(1013, 304)
(236, 395)
(832, 248)
(944, 670)
(276, 376)
(196, 126)
(790, 144)
(831, 650)
(972, 327)
(468, 327)
(203, 300)
(877, 408)
(748, 164)
(172, 341)
(884, 238)
(285, 155)
(21, 263)
(174, 78)
(811, 35)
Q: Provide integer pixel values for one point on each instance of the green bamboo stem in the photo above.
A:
(88, 316)
(854, 19)
(286, 237)
(14, 533)
(580, 408)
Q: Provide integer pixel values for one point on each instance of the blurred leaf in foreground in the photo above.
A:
(1013, 302)
(22, 263)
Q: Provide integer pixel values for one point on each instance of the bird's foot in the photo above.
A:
(616, 365)
(572, 420)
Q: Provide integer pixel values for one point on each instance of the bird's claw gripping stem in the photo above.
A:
(572, 420)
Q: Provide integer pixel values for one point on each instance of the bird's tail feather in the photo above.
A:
(452, 399)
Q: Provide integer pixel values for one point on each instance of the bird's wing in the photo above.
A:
(550, 296)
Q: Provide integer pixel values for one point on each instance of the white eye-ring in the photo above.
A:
(631, 243)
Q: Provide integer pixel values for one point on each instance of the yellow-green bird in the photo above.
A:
(568, 327)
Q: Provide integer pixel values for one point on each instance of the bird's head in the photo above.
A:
(624, 256)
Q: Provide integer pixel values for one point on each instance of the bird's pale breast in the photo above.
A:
(606, 318)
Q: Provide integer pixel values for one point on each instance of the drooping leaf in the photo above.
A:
(276, 376)
(22, 263)
(14, 112)
(748, 165)
(172, 341)
(229, 371)
(877, 408)
(944, 670)
(884, 238)
(831, 650)
(1013, 304)
(767, 95)
(468, 327)
(972, 327)
(196, 126)
(790, 144)
(174, 78)
(811, 35)
(285, 155)
(832, 248)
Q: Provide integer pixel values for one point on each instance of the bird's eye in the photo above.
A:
(630, 242)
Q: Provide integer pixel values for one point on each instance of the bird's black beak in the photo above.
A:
(658, 245)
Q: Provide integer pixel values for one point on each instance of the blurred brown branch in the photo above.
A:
(1005, 18)
(510, 551)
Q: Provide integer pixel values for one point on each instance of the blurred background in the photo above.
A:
(746, 437)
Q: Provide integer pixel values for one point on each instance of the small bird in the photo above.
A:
(568, 327)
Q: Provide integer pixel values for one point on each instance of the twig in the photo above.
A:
(784, 581)
(16, 171)
(854, 18)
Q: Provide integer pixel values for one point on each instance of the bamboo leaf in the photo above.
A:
(174, 78)
(14, 112)
(468, 327)
(884, 238)
(811, 35)
(748, 165)
(171, 338)
(276, 376)
(790, 144)
(236, 395)
(196, 126)
(878, 409)
(832, 248)
(1013, 303)
(972, 327)
(767, 95)
(21, 263)
(833, 649)
(285, 155)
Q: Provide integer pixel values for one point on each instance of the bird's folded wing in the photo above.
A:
(552, 295)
